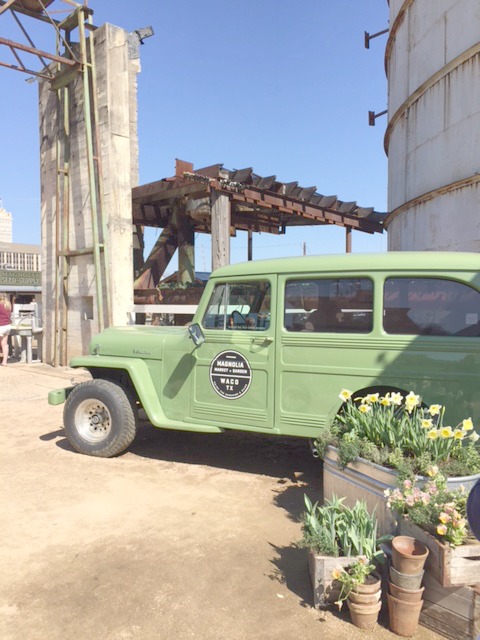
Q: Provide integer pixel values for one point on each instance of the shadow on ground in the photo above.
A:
(274, 456)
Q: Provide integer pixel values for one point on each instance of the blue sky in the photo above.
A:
(279, 86)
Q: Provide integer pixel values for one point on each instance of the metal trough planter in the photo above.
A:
(364, 480)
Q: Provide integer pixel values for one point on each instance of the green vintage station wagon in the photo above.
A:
(274, 341)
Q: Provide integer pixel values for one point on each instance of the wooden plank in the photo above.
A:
(447, 617)
(442, 628)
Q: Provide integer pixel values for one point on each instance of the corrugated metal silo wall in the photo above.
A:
(433, 133)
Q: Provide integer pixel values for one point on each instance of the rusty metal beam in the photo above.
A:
(36, 52)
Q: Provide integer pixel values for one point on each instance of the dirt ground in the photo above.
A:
(184, 536)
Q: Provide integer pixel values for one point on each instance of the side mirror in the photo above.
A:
(196, 334)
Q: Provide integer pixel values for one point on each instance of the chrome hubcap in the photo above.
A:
(93, 421)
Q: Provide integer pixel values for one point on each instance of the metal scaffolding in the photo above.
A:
(70, 63)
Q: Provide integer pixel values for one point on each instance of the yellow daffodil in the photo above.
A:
(385, 401)
(432, 434)
(446, 432)
(458, 434)
(441, 529)
(474, 437)
(345, 395)
(411, 401)
(396, 398)
(371, 398)
(364, 408)
(467, 425)
(434, 409)
(426, 423)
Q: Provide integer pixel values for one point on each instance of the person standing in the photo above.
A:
(5, 326)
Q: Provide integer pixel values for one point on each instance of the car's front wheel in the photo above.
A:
(100, 418)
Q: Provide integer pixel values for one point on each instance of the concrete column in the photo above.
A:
(220, 212)
(118, 148)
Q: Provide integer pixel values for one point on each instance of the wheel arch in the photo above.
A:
(131, 374)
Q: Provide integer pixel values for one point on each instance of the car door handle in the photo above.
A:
(262, 340)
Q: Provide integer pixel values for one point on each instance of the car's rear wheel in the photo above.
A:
(100, 418)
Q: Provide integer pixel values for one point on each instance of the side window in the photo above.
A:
(242, 306)
(329, 305)
(430, 306)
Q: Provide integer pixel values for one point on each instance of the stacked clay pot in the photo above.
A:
(405, 584)
(364, 603)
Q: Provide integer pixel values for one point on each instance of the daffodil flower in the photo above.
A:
(396, 398)
(345, 395)
(371, 398)
(411, 401)
(467, 425)
(474, 437)
(433, 471)
(446, 432)
(426, 423)
(434, 409)
(432, 434)
(364, 408)
(385, 401)
(458, 434)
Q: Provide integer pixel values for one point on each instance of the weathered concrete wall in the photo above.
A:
(433, 135)
(117, 119)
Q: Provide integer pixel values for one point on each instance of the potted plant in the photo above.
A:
(361, 588)
(375, 440)
(436, 516)
(335, 536)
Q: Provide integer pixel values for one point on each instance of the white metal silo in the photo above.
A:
(433, 134)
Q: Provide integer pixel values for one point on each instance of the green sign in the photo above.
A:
(12, 277)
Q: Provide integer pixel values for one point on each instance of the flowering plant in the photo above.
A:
(397, 431)
(351, 577)
(432, 507)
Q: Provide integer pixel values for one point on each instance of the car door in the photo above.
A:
(233, 379)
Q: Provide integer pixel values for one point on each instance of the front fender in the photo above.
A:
(142, 381)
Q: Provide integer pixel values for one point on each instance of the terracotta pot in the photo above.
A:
(407, 595)
(364, 616)
(372, 585)
(406, 581)
(408, 555)
(403, 615)
(365, 598)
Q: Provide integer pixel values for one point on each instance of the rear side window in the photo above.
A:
(331, 305)
(430, 306)
(242, 306)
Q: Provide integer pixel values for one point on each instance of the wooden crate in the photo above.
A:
(325, 589)
(450, 567)
(453, 612)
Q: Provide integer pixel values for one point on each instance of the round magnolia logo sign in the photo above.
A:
(230, 374)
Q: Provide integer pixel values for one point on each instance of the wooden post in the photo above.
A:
(186, 245)
(250, 245)
(220, 212)
(348, 239)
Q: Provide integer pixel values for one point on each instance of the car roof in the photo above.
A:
(441, 261)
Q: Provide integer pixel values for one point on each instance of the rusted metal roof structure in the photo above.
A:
(218, 201)
(257, 203)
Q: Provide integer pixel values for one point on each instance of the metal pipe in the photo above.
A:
(91, 175)
(103, 222)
